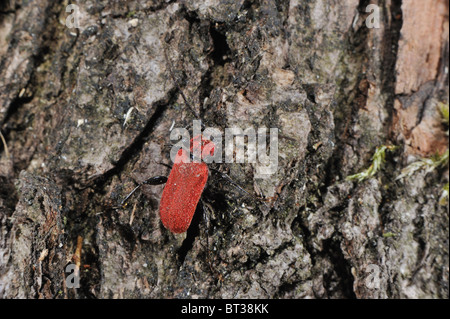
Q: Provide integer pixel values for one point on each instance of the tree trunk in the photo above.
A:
(86, 115)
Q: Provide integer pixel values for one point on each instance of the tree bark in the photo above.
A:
(86, 115)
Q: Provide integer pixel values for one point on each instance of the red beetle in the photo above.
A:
(184, 186)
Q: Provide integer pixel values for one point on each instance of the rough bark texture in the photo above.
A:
(336, 90)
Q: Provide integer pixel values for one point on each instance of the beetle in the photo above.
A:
(184, 186)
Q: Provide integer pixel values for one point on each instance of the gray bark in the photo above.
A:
(334, 88)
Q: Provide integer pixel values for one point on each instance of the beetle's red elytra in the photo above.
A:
(184, 186)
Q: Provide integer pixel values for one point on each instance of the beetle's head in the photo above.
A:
(201, 147)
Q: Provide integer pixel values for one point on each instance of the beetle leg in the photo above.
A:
(206, 220)
(156, 180)
(230, 180)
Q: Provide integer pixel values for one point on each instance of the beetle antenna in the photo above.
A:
(123, 202)
(172, 74)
